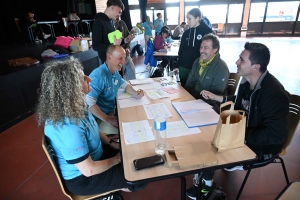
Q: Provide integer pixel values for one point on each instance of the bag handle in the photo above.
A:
(226, 104)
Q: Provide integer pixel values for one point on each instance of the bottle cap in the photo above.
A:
(160, 124)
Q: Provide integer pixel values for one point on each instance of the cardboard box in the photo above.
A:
(194, 155)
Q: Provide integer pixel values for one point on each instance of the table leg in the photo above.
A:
(200, 175)
(183, 187)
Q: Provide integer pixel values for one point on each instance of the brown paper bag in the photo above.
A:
(230, 131)
(81, 45)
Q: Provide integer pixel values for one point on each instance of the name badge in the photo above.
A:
(116, 82)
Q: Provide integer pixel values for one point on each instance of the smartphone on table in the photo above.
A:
(146, 162)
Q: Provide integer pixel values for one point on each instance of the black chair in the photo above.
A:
(293, 120)
(233, 82)
(49, 153)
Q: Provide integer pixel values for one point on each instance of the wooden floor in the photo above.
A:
(25, 172)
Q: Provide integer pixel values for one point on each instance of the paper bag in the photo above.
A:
(80, 44)
(230, 131)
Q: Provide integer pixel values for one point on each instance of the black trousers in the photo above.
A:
(108, 180)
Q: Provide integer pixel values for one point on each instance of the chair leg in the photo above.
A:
(284, 170)
(243, 184)
(183, 187)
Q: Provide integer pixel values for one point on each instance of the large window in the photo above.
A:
(135, 16)
(257, 12)
(150, 14)
(235, 13)
(133, 2)
(215, 13)
(282, 11)
(172, 15)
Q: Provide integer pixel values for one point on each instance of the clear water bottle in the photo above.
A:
(160, 126)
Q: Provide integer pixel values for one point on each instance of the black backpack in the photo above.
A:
(157, 73)
(139, 49)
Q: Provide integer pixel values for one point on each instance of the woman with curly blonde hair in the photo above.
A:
(80, 149)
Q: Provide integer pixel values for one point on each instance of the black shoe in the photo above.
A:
(192, 192)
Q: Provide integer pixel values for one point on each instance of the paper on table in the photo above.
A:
(124, 95)
(179, 128)
(137, 132)
(147, 86)
(171, 90)
(157, 94)
(191, 106)
(141, 81)
(131, 102)
(157, 110)
(201, 118)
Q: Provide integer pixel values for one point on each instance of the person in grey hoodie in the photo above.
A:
(190, 43)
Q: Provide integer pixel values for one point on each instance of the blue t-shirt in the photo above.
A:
(148, 29)
(160, 25)
(105, 87)
(73, 143)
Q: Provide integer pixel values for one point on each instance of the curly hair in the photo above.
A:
(61, 95)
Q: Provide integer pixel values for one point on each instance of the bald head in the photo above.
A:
(115, 58)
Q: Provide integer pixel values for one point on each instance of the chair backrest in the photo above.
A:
(233, 82)
(293, 120)
(17, 21)
(49, 153)
(65, 21)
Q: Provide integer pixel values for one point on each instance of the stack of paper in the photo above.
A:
(196, 113)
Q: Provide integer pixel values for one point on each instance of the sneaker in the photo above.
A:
(192, 192)
(46, 36)
(240, 167)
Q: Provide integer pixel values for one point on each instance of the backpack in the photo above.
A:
(157, 73)
(216, 194)
(139, 49)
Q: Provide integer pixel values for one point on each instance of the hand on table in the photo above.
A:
(140, 93)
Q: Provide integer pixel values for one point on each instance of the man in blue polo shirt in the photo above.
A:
(105, 84)
(158, 23)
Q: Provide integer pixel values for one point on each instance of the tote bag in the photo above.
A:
(230, 131)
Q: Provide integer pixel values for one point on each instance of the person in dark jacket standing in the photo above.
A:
(190, 43)
(104, 25)
(264, 101)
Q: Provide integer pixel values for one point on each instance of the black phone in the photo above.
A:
(146, 162)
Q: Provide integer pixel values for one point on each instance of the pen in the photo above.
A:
(176, 99)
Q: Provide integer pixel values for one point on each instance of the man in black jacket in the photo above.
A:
(104, 24)
(264, 101)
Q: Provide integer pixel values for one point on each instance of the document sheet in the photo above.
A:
(137, 132)
(157, 110)
(141, 81)
(131, 102)
(157, 93)
(196, 113)
(179, 128)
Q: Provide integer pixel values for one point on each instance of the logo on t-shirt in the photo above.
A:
(246, 105)
(199, 37)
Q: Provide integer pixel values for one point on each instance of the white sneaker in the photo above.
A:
(234, 168)
(46, 36)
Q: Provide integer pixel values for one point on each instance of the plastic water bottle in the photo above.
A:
(160, 126)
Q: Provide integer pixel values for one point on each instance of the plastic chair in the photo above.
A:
(49, 152)
(233, 82)
(293, 122)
